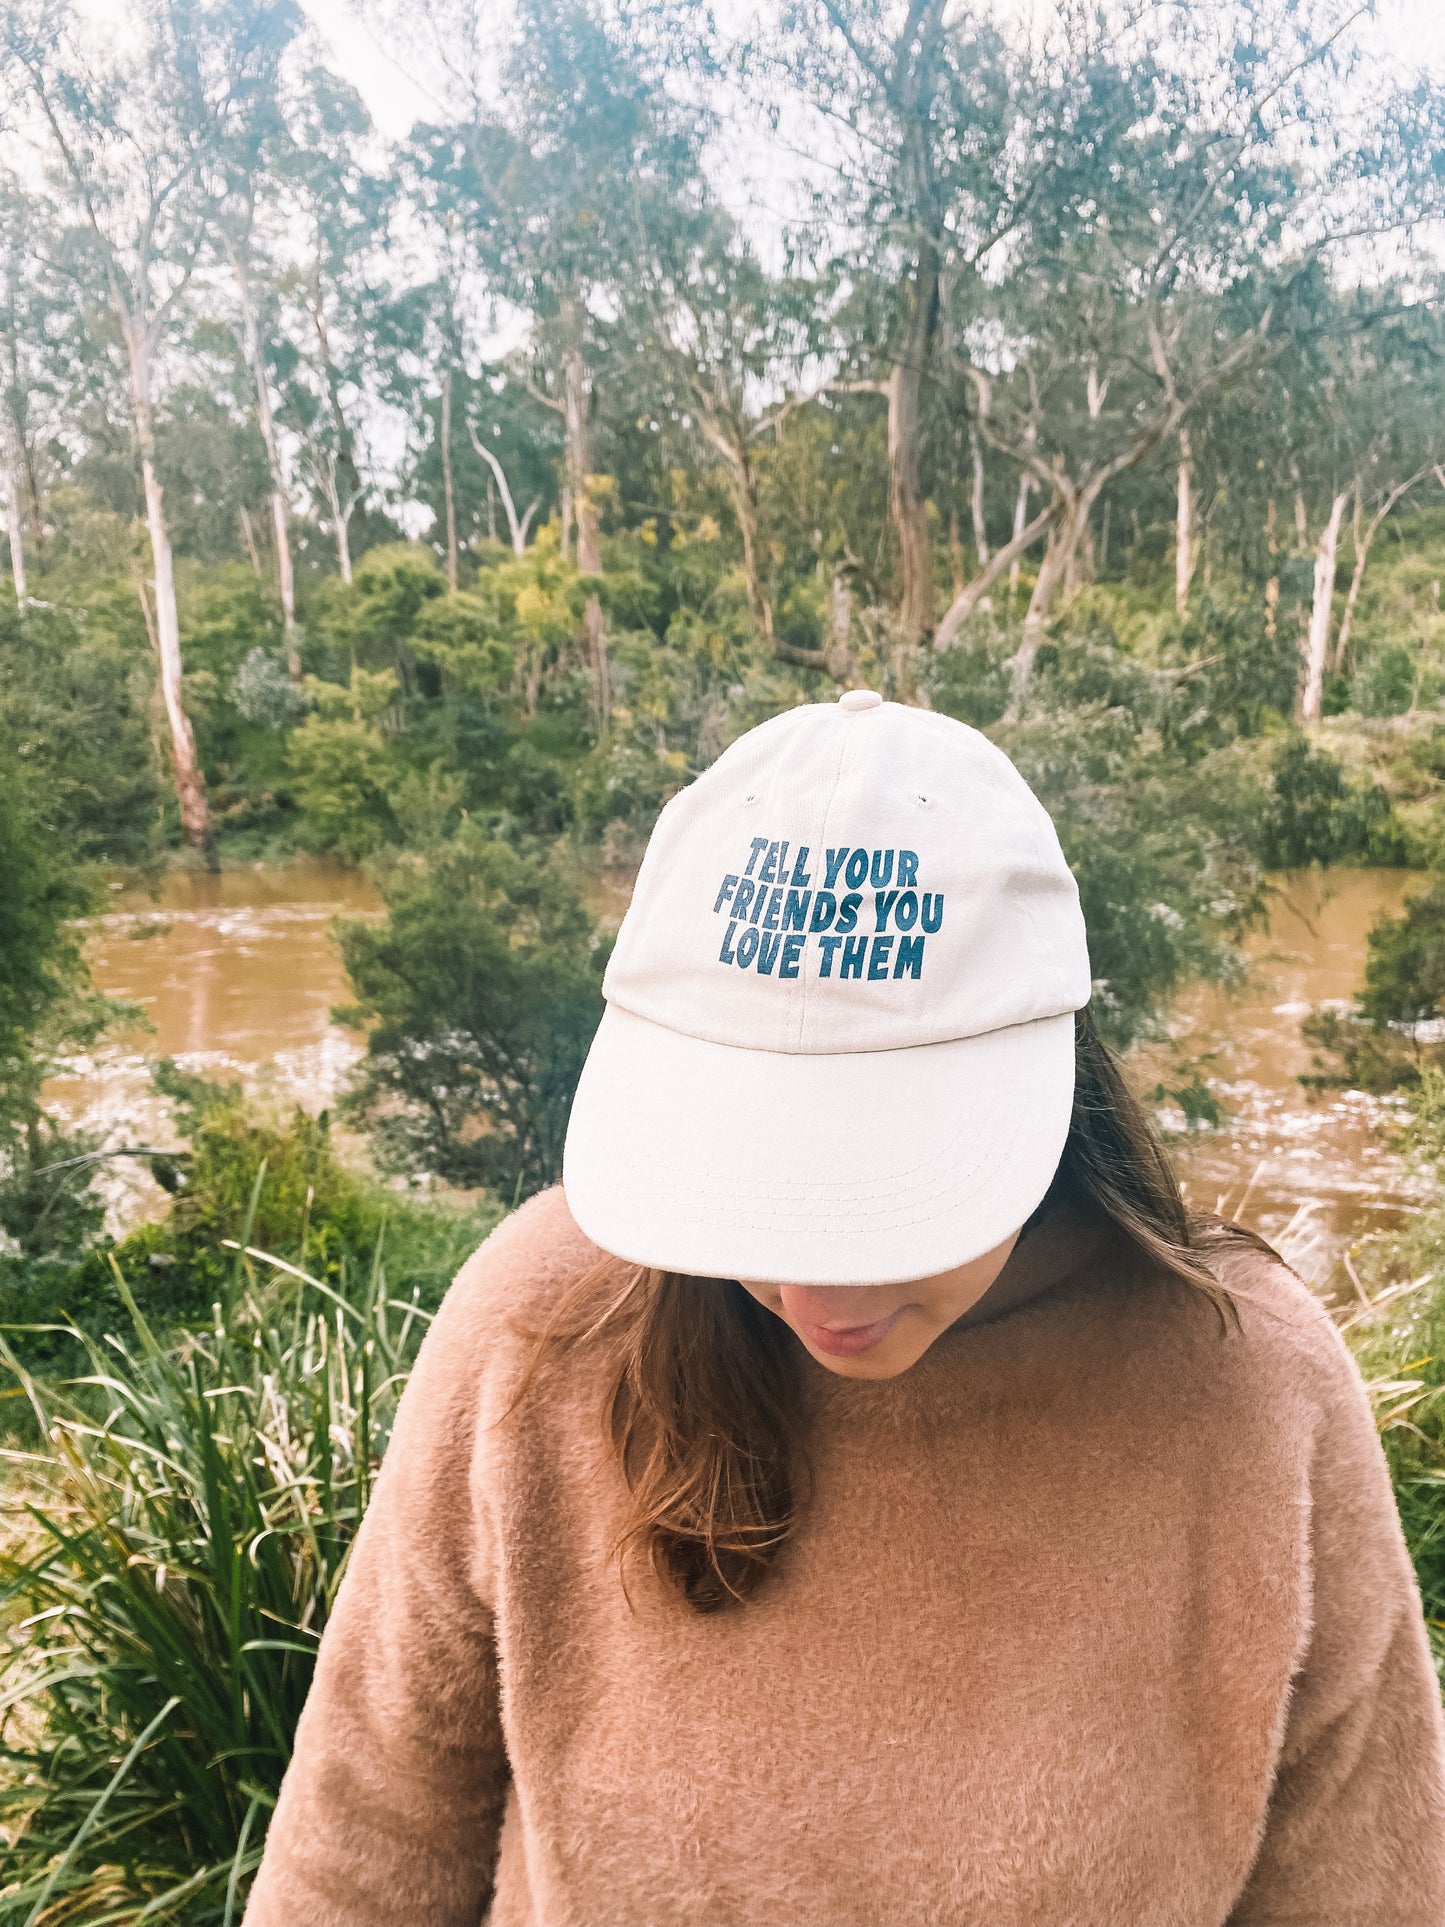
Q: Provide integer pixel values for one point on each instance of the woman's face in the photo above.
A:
(878, 1331)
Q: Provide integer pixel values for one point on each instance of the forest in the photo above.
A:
(441, 501)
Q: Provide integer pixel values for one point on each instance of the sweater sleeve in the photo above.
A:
(1355, 1831)
(391, 1808)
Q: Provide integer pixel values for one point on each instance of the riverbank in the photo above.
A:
(1314, 1174)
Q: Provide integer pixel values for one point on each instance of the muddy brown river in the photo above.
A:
(237, 975)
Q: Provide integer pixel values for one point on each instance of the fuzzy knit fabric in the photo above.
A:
(1100, 1616)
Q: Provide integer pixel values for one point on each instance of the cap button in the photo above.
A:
(856, 699)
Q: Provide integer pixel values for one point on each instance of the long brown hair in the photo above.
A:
(705, 1407)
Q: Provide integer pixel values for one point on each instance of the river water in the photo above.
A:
(1314, 1175)
(237, 976)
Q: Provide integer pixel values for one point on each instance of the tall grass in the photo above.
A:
(194, 1505)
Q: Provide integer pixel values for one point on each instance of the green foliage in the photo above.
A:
(1401, 1350)
(74, 692)
(391, 587)
(341, 770)
(483, 990)
(1315, 815)
(1162, 848)
(970, 683)
(1386, 1042)
(1231, 676)
(41, 970)
(1386, 683)
(192, 1506)
(1405, 970)
(280, 1176)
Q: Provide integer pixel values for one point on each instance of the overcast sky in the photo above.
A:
(1411, 32)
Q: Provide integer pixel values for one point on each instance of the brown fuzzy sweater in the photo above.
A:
(1098, 1617)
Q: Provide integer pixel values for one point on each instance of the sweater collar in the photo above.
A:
(1049, 1252)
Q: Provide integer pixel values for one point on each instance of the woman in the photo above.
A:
(862, 1498)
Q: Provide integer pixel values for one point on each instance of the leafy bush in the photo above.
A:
(1400, 1344)
(1315, 815)
(1405, 967)
(262, 691)
(483, 990)
(75, 689)
(192, 1513)
(970, 684)
(1161, 846)
(280, 1177)
(343, 767)
(1376, 1045)
(1385, 683)
(41, 893)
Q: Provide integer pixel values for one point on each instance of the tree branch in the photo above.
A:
(968, 598)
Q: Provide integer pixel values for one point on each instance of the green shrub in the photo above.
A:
(280, 1176)
(1376, 1045)
(1385, 683)
(1405, 968)
(193, 1506)
(971, 684)
(1315, 815)
(1229, 676)
(1162, 847)
(482, 991)
(1400, 1344)
(342, 772)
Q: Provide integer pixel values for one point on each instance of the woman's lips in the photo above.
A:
(850, 1341)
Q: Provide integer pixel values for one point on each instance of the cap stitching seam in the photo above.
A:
(800, 1030)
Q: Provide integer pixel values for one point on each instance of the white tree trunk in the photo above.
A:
(1365, 534)
(1317, 641)
(980, 533)
(1271, 587)
(190, 783)
(577, 414)
(281, 528)
(1021, 513)
(340, 518)
(1069, 531)
(12, 515)
(266, 420)
(1183, 528)
(248, 536)
(516, 529)
(974, 595)
(448, 488)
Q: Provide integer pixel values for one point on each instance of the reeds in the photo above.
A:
(196, 1504)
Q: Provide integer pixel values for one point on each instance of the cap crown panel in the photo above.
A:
(852, 881)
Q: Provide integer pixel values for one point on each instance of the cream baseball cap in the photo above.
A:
(838, 1046)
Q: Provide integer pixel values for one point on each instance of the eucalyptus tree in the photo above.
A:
(244, 187)
(336, 203)
(549, 186)
(128, 140)
(1182, 244)
(426, 346)
(930, 151)
(729, 353)
(23, 315)
(1375, 392)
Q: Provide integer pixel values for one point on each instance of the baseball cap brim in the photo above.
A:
(859, 1168)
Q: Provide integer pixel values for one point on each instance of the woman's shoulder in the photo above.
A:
(506, 1292)
(1271, 1339)
(528, 1263)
